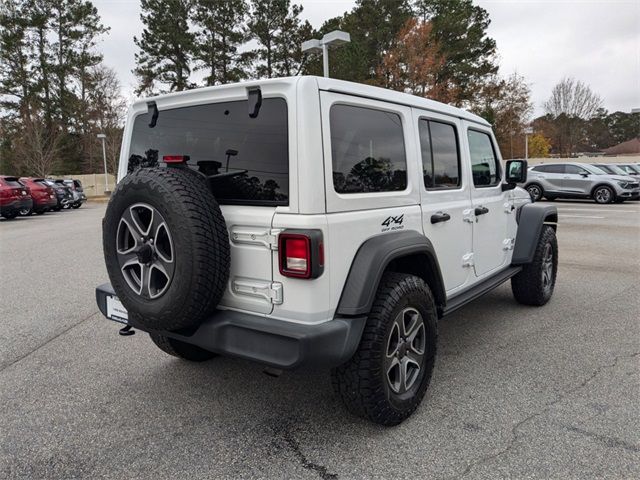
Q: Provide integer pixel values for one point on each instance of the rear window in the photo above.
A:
(12, 182)
(550, 168)
(221, 138)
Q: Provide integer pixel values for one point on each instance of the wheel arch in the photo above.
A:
(403, 252)
(531, 217)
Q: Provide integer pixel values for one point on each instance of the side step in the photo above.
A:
(461, 299)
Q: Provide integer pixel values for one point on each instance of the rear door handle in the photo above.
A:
(440, 217)
(480, 211)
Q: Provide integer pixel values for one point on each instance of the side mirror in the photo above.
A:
(516, 173)
(584, 174)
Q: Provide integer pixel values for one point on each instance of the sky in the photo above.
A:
(597, 42)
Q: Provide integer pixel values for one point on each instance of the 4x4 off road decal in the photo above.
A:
(393, 223)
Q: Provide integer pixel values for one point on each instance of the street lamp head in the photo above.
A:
(312, 46)
(101, 135)
(336, 38)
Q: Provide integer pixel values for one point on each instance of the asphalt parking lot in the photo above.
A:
(518, 392)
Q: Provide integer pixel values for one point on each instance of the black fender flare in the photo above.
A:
(372, 259)
(531, 217)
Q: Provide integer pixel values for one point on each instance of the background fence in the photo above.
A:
(93, 183)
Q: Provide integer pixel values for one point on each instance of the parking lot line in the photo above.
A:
(579, 216)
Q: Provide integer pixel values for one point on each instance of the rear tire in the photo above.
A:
(402, 323)
(10, 216)
(535, 191)
(180, 349)
(535, 283)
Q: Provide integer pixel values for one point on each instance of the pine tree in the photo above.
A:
(460, 28)
(220, 33)
(166, 45)
(277, 27)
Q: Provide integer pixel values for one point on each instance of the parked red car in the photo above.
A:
(14, 197)
(43, 195)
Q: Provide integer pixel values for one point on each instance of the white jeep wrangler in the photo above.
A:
(308, 220)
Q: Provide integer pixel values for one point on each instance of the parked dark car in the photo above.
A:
(14, 197)
(78, 192)
(64, 196)
(43, 195)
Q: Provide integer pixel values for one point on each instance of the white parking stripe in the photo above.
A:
(579, 216)
(599, 210)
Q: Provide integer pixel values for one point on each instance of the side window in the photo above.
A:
(484, 164)
(574, 170)
(555, 168)
(440, 156)
(367, 150)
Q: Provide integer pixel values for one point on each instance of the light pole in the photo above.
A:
(527, 131)
(331, 39)
(102, 137)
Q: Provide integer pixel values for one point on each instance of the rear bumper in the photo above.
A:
(16, 205)
(276, 343)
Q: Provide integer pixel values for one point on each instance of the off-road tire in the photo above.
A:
(528, 286)
(180, 349)
(200, 242)
(361, 382)
(536, 192)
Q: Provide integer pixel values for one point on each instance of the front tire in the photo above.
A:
(603, 195)
(387, 377)
(535, 283)
(180, 349)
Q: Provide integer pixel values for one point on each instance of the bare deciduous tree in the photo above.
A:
(571, 105)
(574, 99)
(37, 148)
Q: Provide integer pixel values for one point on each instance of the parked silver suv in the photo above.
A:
(579, 180)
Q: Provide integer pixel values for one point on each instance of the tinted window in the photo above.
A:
(367, 150)
(572, 169)
(440, 158)
(605, 168)
(12, 182)
(550, 168)
(221, 138)
(484, 164)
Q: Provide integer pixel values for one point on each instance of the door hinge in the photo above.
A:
(467, 260)
(468, 215)
(266, 237)
(271, 291)
(508, 243)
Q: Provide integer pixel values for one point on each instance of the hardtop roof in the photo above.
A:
(338, 86)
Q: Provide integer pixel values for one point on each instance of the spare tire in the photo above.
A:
(166, 248)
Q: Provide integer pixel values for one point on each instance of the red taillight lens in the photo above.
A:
(175, 158)
(301, 253)
(295, 256)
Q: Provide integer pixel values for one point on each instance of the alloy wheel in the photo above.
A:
(603, 195)
(547, 268)
(405, 351)
(145, 251)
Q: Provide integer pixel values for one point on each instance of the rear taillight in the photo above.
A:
(175, 158)
(301, 253)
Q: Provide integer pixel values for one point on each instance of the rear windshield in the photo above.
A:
(12, 182)
(248, 158)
